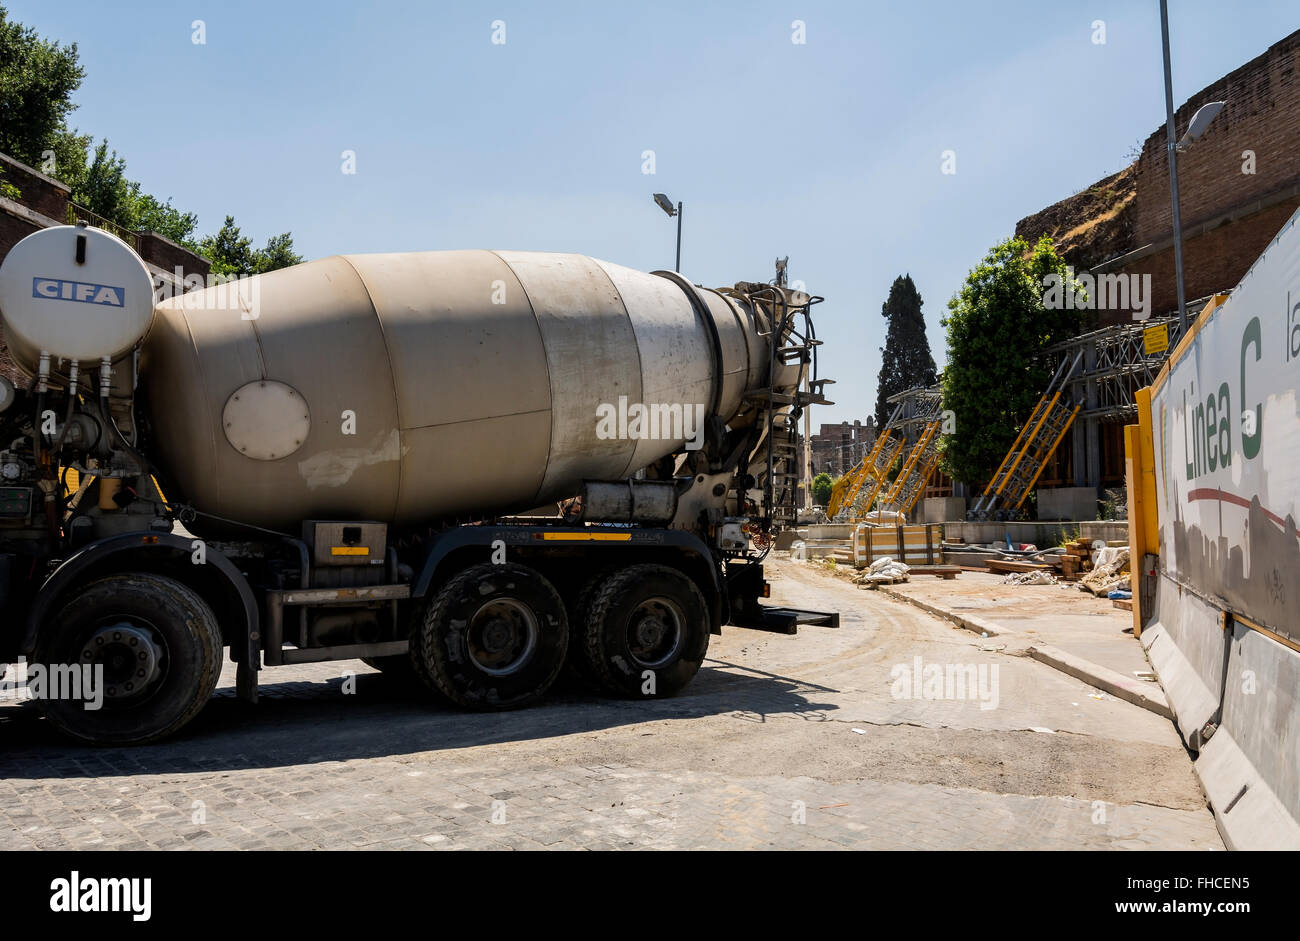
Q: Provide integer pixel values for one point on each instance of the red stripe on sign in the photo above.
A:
(1223, 496)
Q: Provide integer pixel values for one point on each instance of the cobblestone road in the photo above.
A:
(787, 742)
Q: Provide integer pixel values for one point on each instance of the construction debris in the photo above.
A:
(883, 571)
(1109, 572)
(1038, 577)
(1009, 565)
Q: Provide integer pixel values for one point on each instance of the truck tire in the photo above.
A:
(578, 673)
(647, 631)
(494, 637)
(159, 648)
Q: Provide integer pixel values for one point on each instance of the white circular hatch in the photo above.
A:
(266, 420)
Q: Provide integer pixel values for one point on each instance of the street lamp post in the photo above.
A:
(1173, 167)
(1195, 128)
(666, 204)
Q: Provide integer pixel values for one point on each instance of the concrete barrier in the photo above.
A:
(1111, 532)
(1223, 626)
(1067, 503)
(942, 509)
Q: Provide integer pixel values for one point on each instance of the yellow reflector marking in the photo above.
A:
(588, 537)
(349, 550)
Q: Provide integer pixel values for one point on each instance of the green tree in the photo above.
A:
(231, 252)
(104, 189)
(905, 358)
(278, 254)
(71, 157)
(8, 190)
(996, 325)
(166, 220)
(37, 79)
(821, 489)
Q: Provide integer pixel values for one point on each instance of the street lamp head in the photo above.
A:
(665, 204)
(1200, 121)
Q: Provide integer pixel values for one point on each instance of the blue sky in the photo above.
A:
(829, 151)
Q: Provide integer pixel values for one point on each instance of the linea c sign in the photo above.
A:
(1226, 415)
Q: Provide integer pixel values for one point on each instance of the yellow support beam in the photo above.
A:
(1140, 482)
(1136, 519)
(1146, 443)
(851, 483)
(1035, 419)
(910, 467)
(1042, 464)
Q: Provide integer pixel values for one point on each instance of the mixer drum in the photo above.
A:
(417, 386)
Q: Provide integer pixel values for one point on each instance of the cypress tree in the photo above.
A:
(905, 359)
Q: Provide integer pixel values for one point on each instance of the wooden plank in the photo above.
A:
(1006, 565)
(941, 571)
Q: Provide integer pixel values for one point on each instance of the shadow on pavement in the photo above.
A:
(298, 723)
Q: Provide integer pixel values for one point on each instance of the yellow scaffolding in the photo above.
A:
(1034, 445)
(919, 467)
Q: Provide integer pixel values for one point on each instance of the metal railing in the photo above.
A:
(78, 213)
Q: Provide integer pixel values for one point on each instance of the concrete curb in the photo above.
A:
(1150, 696)
(1140, 693)
(967, 622)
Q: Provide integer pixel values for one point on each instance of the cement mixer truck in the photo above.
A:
(346, 459)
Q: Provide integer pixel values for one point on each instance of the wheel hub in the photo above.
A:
(650, 631)
(130, 657)
(502, 636)
(656, 633)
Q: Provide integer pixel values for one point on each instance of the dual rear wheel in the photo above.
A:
(498, 636)
(137, 656)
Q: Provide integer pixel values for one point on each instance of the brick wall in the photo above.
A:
(1213, 262)
(840, 446)
(41, 193)
(13, 229)
(1228, 216)
(1262, 114)
(167, 255)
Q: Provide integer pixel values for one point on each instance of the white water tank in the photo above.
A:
(76, 293)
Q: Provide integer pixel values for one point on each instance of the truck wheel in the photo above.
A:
(647, 631)
(153, 650)
(494, 637)
(578, 673)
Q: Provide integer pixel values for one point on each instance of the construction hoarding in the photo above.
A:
(1224, 629)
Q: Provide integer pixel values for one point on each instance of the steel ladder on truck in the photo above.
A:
(788, 345)
(1033, 447)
